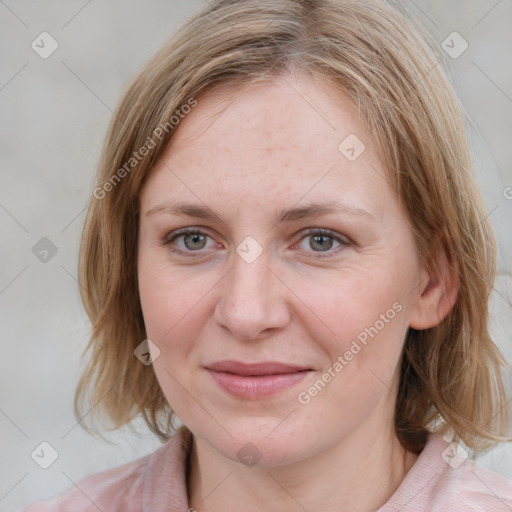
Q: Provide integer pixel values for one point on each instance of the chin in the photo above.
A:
(259, 441)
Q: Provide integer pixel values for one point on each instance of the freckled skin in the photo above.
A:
(289, 305)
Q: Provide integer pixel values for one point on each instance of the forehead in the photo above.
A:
(276, 114)
(279, 140)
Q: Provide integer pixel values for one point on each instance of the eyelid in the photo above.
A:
(342, 240)
(304, 233)
(170, 237)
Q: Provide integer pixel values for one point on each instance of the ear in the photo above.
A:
(438, 289)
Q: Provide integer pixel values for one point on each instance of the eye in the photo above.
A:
(321, 240)
(193, 241)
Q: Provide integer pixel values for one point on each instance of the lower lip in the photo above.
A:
(256, 386)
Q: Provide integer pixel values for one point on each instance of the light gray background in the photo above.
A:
(54, 116)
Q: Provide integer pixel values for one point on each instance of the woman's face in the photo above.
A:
(269, 278)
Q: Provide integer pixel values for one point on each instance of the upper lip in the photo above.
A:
(262, 368)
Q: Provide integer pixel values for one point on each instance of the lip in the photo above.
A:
(254, 369)
(256, 380)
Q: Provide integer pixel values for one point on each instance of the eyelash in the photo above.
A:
(192, 231)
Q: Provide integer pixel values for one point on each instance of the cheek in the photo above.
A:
(362, 356)
(351, 303)
(165, 294)
(175, 306)
(171, 309)
(366, 313)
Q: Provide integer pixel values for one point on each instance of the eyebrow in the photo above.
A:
(310, 210)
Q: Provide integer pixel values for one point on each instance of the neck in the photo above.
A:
(359, 473)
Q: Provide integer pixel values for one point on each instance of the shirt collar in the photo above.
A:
(165, 486)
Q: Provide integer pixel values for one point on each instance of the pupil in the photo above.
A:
(195, 239)
(323, 244)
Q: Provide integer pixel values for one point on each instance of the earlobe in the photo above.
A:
(438, 293)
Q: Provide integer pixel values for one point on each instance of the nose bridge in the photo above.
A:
(248, 303)
(249, 281)
(250, 270)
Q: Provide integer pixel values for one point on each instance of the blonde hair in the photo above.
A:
(376, 53)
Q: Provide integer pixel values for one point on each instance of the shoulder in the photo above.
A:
(116, 489)
(121, 485)
(445, 479)
(471, 487)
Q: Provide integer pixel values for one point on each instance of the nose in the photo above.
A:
(253, 300)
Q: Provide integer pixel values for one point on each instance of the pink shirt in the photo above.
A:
(156, 483)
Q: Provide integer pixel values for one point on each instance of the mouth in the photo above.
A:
(256, 380)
